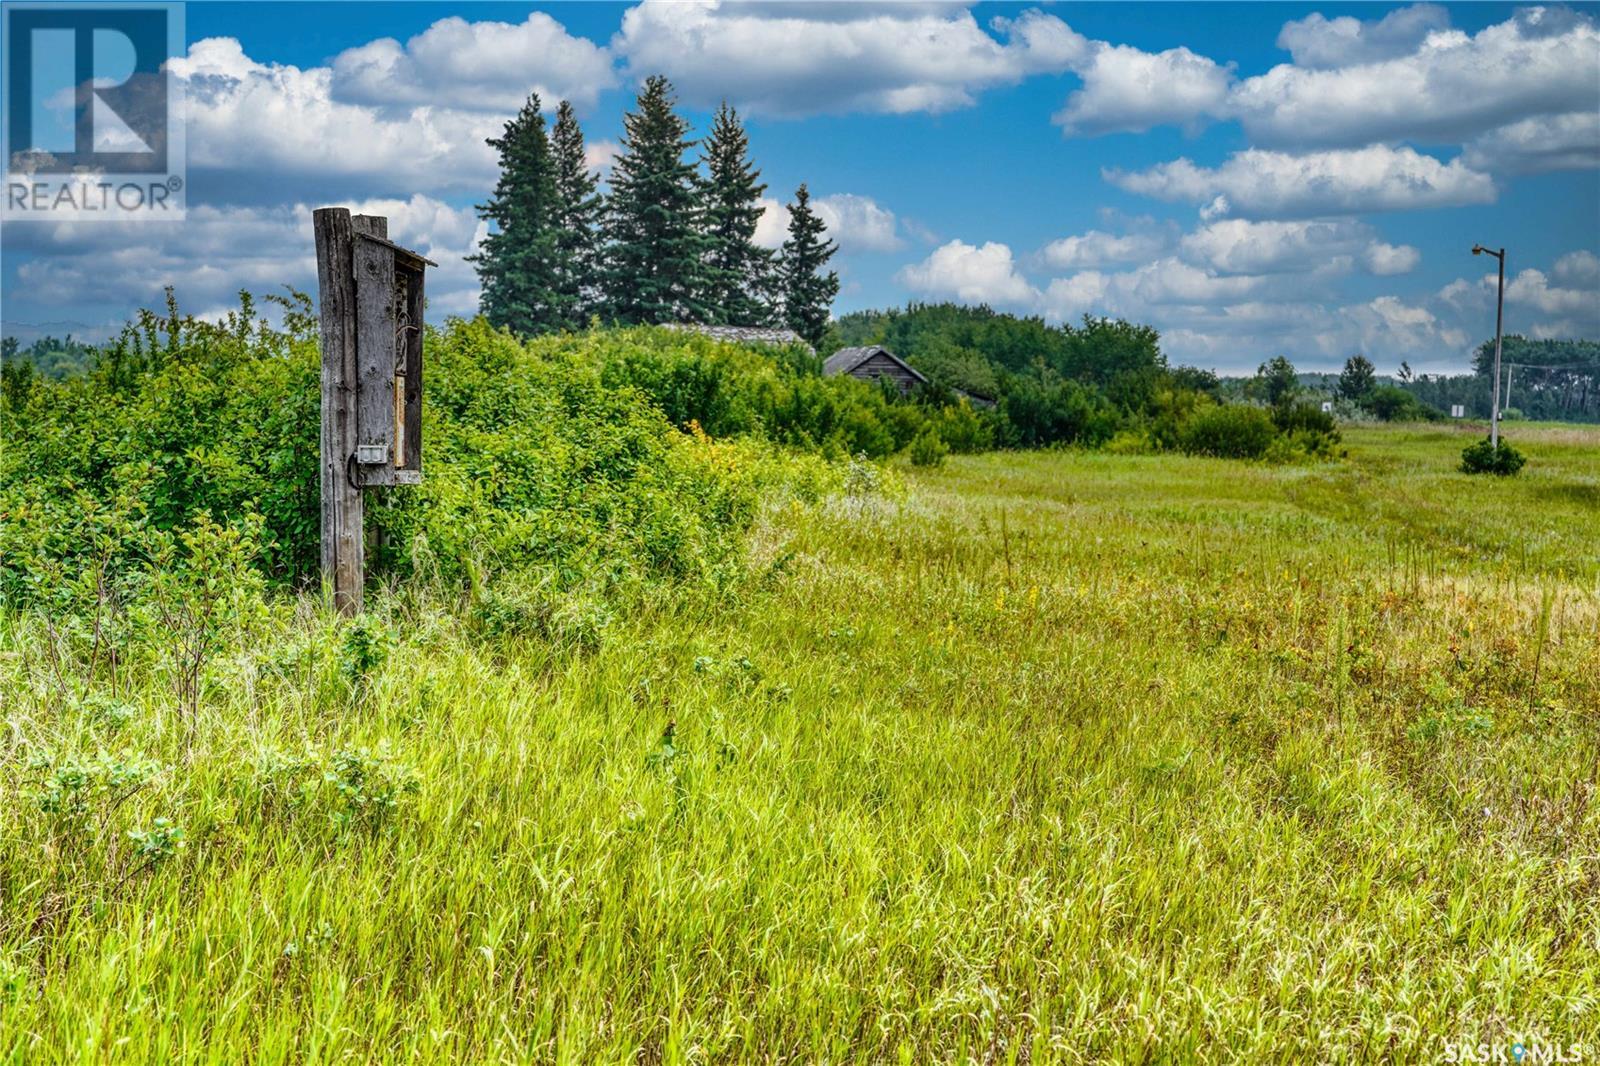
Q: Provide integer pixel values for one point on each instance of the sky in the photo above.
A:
(1252, 179)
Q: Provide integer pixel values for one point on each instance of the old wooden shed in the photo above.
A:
(872, 362)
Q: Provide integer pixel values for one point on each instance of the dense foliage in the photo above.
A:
(1101, 381)
(1483, 457)
(537, 458)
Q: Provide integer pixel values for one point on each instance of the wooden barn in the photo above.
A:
(873, 362)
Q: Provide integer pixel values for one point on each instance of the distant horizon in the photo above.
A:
(1250, 179)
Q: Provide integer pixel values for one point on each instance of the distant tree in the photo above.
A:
(654, 245)
(807, 292)
(577, 222)
(738, 272)
(1358, 378)
(1124, 358)
(1406, 374)
(1277, 381)
(1390, 403)
(517, 265)
(1196, 380)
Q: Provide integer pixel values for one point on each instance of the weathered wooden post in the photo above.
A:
(371, 300)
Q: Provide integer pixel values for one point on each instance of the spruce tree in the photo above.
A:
(578, 207)
(517, 262)
(654, 247)
(807, 292)
(737, 270)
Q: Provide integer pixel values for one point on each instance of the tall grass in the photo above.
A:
(1048, 757)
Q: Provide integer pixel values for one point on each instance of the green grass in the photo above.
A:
(1047, 757)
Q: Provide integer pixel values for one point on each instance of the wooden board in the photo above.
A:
(375, 359)
(343, 559)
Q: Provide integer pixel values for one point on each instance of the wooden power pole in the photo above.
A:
(371, 382)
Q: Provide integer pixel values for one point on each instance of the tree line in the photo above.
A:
(1546, 380)
(671, 240)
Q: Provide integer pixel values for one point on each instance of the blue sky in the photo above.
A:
(1253, 179)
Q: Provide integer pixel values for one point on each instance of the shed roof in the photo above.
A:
(845, 360)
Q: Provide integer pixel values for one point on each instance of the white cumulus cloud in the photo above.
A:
(267, 124)
(1320, 42)
(797, 59)
(970, 273)
(1539, 144)
(1098, 248)
(1264, 184)
(1241, 246)
(855, 223)
(219, 250)
(1452, 87)
(476, 66)
(1125, 88)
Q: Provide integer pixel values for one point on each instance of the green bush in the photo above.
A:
(1037, 413)
(927, 448)
(1234, 431)
(532, 460)
(1482, 457)
(1389, 403)
(730, 390)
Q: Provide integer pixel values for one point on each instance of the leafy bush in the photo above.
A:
(1389, 403)
(1305, 431)
(1304, 417)
(1038, 413)
(1234, 431)
(1482, 457)
(927, 448)
(532, 460)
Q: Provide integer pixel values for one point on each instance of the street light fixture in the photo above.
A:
(1499, 312)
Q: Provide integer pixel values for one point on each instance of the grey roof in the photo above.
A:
(845, 360)
(741, 334)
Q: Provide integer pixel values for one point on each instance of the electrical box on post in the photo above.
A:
(370, 303)
(388, 407)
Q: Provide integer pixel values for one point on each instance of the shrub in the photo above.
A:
(1306, 417)
(533, 461)
(1234, 431)
(927, 448)
(1392, 404)
(1040, 413)
(1482, 457)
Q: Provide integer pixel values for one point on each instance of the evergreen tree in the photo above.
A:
(737, 270)
(578, 207)
(807, 292)
(1358, 378)
(518, 262)
(654, 246)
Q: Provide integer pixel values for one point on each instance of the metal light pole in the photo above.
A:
(1499, 313)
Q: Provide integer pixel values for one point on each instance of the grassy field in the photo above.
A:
(1043, 757)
